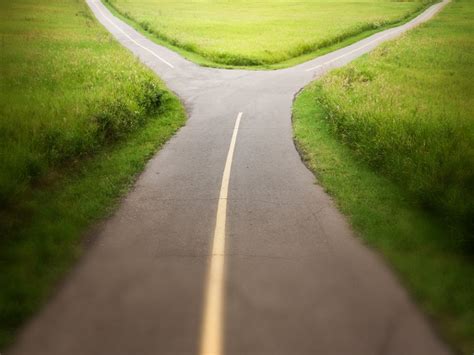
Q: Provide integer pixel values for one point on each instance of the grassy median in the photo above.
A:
(264, 33)
(79, 118)
(391, 137)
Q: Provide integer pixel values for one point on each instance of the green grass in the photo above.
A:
(268, 33)
(79, 119)
(408, 111)
(391, 138)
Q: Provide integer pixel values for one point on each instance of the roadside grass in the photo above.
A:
(79, 119)
(438, 274)
(262, 34)
(390, 137)
(407, 110)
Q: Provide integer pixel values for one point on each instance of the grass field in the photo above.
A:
(391, 137)
(260, 33)
(79, 118)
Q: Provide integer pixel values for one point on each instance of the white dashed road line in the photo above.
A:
(130, 38)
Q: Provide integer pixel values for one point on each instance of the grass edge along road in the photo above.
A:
(193, 54)
(416, 241)
(43, 221)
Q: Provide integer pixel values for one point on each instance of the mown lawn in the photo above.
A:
(391, 137)
(260, 33)
(79, 118)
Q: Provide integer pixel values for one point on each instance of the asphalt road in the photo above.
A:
(226, 245)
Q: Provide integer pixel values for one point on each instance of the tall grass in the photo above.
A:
(260, 33)
(390, 137)
(407, 110)
(66, 91)
(79, 119)
(434, 269)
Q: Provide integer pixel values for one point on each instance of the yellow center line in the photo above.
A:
(212, 325)
(130, 38)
